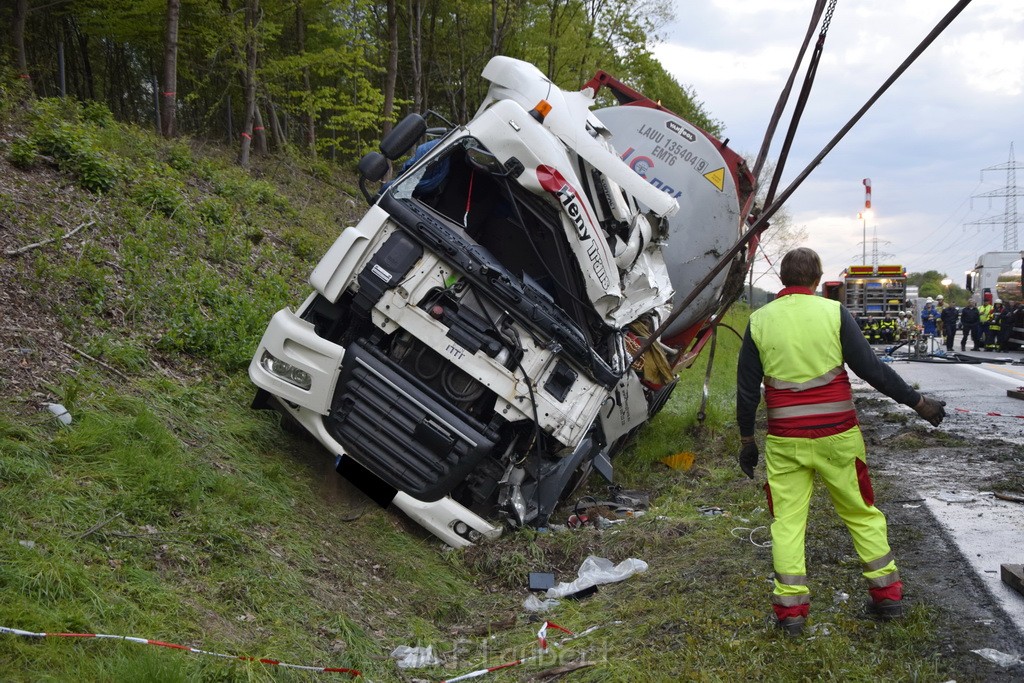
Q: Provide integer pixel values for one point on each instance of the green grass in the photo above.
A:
(170, 510)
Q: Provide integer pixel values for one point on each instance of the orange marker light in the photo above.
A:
(542, 109)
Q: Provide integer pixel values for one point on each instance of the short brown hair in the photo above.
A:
(800, 267)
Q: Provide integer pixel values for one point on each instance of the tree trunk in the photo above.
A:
(416, 52)
(259, 132)
(275, 125)
(391, 77)
(83, 49)
(300, 34)
(169, 96)
(18, 38)
(252, 8)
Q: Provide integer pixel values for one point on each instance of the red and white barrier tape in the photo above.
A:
(146, 641)
(965, 410)
(542, 641)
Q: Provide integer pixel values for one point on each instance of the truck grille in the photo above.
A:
(401, 430)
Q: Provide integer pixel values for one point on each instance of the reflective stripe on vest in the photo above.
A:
(807, 389)
(810, 409)
(818, 381)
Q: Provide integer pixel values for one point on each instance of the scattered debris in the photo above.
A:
(1012, 497)
(60, 412)
(543, 649)
(996, 657)
(595, 571)
(559, 671)
(680, 461)
(534, 604)
(711, 510)
(749, 533)
(414, 657)
(953, 497)
(541, 581)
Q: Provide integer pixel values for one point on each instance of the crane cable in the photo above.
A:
(801, 102)
(771, 209)
(780, 106)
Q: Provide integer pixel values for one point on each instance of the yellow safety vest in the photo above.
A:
(807, 389)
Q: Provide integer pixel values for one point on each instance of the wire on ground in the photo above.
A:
(542, 643)
(980, 412)
(147, 641)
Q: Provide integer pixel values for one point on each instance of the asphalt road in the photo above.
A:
(989, 531)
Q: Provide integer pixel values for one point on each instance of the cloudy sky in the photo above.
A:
(924, 144)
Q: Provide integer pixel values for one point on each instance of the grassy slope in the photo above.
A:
(171, 511)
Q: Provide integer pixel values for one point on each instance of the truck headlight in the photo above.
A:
(286, 371)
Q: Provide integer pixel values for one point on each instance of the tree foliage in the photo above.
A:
(327, 76)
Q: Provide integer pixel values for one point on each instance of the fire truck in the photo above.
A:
(870, 291)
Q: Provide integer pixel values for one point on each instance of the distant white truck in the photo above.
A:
(998, 275)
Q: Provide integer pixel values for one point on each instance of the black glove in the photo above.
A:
(931, 410)
(748, 458)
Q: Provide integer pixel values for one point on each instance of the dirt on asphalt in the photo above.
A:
(916, 464)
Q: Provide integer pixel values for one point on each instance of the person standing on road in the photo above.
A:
(948, 318)
(928, 320)
(797, 346)
(994, 326)
(970, 321)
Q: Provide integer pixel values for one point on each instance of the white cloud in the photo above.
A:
(990, 61)
(955, 111)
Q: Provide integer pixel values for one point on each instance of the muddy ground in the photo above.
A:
(918, 466)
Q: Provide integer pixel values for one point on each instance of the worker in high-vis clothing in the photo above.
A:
(799, 346)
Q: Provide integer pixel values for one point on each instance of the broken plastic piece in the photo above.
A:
(680, 461)
(60, 411)
(996, 657)
(414, 657)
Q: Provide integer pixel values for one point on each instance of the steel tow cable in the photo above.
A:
(761, 220)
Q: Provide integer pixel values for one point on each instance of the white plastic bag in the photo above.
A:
(534, 604)
(595, 571)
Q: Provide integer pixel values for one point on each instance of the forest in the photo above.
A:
(324, 78)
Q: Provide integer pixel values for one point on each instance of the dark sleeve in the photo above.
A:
(861, 358)
(749, 373)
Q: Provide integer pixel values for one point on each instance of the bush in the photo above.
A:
(161, 194)
(22, 153)
(57, 132)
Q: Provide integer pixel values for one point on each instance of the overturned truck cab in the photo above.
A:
(467, 352)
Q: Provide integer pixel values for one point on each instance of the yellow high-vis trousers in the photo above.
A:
(840, 462)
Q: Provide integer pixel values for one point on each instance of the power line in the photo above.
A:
(1009, 218)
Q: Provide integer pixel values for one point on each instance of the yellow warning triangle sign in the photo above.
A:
(716, 178)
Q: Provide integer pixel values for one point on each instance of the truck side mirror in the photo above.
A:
(403, 136)
(373, 167)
